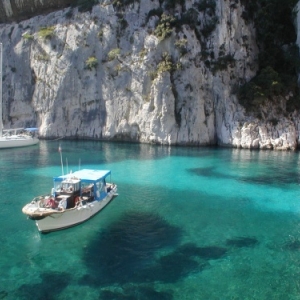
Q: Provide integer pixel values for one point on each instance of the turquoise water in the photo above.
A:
(189, 223)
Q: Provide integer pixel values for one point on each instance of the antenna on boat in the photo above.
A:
(67, 165)
(61, 161)
(79, 163)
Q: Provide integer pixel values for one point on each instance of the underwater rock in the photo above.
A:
(50, 287)
(210, 252)
(109, 295)
(189, 249)
(292, 245)
(3, 294)
(282, 178)
(172, 267)
(136, 293)
(206, 172)
(128, 246)
(240, 242)
(175, 266)
(148, 293)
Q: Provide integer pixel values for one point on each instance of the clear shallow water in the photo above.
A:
(189, 224)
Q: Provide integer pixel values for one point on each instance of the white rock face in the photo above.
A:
(46, 82)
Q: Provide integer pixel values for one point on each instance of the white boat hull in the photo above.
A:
(74, 216)
(17, 141)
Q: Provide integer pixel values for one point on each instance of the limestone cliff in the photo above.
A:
(17, 10)
(108, 74)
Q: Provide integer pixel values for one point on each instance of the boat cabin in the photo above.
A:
(85, 185)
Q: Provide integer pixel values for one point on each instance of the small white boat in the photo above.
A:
(19, 137)
(74, 198)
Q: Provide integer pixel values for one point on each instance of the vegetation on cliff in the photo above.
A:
(278, 58)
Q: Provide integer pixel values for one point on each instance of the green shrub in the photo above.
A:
(143, 52)
(42, 57)
(164, 28)
(46, 32)
(121, 4)
(91, 62)
(27, 36)
(265, 86)
(100, 34)
(112, 54)
(279, 55)
(181, 45)
(270, 82)
(152, 74)
(165, 64)
(249, 92)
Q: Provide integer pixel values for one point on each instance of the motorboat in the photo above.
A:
(74, 198)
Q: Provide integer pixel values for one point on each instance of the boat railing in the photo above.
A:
(38, 198)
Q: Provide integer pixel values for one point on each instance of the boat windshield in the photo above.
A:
(100, 185)
(63, 187)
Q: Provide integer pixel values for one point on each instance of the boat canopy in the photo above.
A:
(86, 175)
(32, 129)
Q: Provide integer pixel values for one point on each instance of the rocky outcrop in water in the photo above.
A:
(109, 74)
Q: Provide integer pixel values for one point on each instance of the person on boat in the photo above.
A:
(62, 204)
(109, 188)
(51, 203)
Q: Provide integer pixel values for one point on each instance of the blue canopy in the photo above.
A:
(32, 129)
(87, 175)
